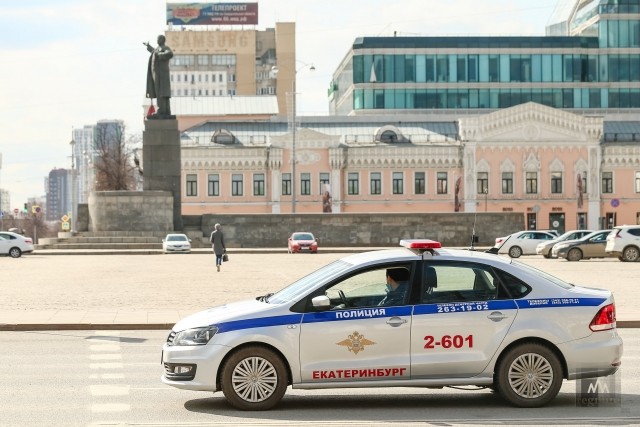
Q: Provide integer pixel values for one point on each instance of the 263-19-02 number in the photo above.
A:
(448, 341)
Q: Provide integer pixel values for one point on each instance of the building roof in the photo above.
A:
(621, 131)
(224, 105)
(516, 42)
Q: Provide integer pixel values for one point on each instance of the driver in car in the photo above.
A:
(397, 285)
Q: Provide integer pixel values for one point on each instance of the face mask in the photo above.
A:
(389, 288)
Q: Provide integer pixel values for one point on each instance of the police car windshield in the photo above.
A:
(544, 275)
(303, 286)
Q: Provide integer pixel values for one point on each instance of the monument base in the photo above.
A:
(131, 211)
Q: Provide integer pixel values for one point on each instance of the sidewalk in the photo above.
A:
(89, 291)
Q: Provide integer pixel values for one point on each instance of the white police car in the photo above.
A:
(463, 318)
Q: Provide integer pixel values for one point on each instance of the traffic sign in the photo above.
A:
(65, 226)
(16, 210)
(615, 203)
(65, 218)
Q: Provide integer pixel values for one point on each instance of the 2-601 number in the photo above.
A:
(448, 341)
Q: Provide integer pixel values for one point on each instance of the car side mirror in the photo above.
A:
(321, 302)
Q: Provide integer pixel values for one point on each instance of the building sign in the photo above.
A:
(212, 13)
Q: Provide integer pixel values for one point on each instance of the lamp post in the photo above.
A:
(73, 184)
(293, 137)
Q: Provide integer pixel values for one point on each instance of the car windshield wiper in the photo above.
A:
(264, 298)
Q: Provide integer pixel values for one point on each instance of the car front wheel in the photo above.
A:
(631, 254)
(254, 379)
(15, 252)
(529, 376)
(574, 255)
(515, 252)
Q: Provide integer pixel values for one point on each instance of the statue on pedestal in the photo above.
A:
(158, 78)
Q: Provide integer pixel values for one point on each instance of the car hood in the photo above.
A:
(234, 311)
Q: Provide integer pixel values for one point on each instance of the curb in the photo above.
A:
(30, 327)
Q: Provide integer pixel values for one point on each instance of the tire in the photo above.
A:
(529, 376)
(574, 254)
(631, 254)
(254, 379)
(15, 252)
(515, 252)
(547, 255)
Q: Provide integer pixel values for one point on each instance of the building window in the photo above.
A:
(258, 184)
(286, 184)
(507, 182)
(398, 183)
(305, 184)
(532, 183)
(441, 185)
(556, 182)
(236, 184)
(419, 183)
(483, 183)
(637, 182)
(324, 182)
(213, 185)
(353, 184)
(192, 185)
(607, 182)
(376, 183)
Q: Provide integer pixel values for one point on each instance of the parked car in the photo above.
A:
(14, 244)
(624, 242)
(590, 246)
(176, 243)
(521, 243)
(302, 241)
(554, 232)
(544, 248)
(464, 318)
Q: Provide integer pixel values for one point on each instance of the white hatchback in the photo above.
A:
(417, 316)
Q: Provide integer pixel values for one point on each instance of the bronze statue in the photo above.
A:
(158, 78)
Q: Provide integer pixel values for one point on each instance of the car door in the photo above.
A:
(595, 246)
(356, 340)
(461, 320)
(4, 243)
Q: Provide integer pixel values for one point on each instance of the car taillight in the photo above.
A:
(29, 241)
(605, 319)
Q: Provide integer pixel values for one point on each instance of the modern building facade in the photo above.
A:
(59, 197)
(590, 64)
(226, 63)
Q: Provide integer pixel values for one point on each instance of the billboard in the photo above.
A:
(212, 13)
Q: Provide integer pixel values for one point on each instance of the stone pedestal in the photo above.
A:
(161, 162)
(131, 211)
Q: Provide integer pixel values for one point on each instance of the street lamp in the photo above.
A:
(293, 136)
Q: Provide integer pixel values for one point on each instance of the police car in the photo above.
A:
(465, 318)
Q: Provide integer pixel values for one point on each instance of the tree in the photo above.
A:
(114, 165)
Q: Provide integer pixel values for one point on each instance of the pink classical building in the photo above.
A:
(559, 169)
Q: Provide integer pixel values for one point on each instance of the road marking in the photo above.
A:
(109, 390)
(113, 356)
(113, 365)
(106, 376)
(110, 407)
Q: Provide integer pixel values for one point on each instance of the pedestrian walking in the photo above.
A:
(217, 244)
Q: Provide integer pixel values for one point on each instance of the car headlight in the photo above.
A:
(195, 336)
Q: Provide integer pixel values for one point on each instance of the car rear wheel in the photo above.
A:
(15, 252)
(515, 252)
(529, 376)
(254, 379)
(574, 254)
(631, 254)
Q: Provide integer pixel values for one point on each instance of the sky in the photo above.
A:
(71, 63)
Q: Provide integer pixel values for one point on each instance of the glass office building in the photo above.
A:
(594, 66)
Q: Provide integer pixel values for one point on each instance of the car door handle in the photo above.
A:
(496, 316)
(396, 321)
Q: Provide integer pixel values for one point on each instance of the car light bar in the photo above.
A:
(420, 244)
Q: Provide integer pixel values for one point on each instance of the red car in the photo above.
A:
(302, 241)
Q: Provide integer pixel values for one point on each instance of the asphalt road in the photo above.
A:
(112, 378)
